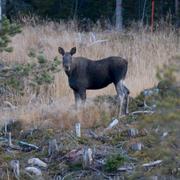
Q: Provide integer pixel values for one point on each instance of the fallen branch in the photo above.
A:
(96, 137)
(28, 146)
(97, 42)
(67, 175)
(153, 163)
(9, 105)
(3, 140)
(97, 170)
(9, 140)
(93, 134)
(142, 112)
(128, 168)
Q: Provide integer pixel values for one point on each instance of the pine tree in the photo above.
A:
(7, 31)
(17, 76)
(119, 15)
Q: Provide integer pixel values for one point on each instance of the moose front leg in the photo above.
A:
(83, 96)
(77, 99)
(123, 96)
(80, 98)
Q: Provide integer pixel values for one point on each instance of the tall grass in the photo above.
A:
(143, 50)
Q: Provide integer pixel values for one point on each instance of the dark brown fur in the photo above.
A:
(86, 74)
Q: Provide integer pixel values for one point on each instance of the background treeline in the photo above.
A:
(132, 10)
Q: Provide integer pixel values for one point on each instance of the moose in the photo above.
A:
(84, 74)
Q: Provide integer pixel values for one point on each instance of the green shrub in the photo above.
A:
(114, 162)
(16, 77)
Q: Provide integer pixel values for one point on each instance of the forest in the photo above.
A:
(139, 10)
(53, 126)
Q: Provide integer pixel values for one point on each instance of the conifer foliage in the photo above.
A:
(16, 77)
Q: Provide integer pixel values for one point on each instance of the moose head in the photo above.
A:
(67, 58)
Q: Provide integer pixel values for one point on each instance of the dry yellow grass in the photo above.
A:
(143, 50)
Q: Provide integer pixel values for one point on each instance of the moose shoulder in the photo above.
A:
(86, 74)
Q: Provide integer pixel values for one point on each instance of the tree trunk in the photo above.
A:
(0, 13)
(161, 9)
(177, 13)
(2, 9)
(152, 16)
(144, 10)
(119, 15)
(4, 2)
(75, 10)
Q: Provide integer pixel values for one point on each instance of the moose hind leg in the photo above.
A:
(126, 99)
(123, 96)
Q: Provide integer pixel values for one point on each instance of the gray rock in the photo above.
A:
(133, 132)
(15, 167)
(137, 147)
(37, 162)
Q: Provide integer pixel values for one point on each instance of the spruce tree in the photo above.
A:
(16, 77)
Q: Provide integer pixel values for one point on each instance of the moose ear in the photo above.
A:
(61, 51)
(73, 51)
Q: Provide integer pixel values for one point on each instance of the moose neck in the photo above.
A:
(68, 73)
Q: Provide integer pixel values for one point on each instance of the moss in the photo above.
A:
(83, 140)
(131, 118)
(76, 166)
(137, 102)
(57, 168)
(49, 133)
(116, 138)
(151, 140)
(114, 162)
(141, 155)
(106, 118)
(105, 98)
(7, 158)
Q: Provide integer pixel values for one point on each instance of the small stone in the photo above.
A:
(74, 154)
(101, 161)
(78, 129)
(15, 167)
(133, 132)
(53, 147)
(165, 134)
(37, 162)
(150, 92)
(33, 170)
(143, 132)
(58, 177)
(87, 157)
(113, 123)
(137, 147)
(154, 177)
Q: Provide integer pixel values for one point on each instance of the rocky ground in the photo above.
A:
(145, 144)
